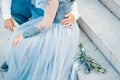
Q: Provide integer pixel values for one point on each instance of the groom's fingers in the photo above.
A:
(69, 19)
(13, 43)
(68, 25)
(9, 24)
(65, 21)
(68, 15)
(11, 28)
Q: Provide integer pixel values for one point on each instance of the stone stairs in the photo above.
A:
(96, 54)
(113, 5)
(99, 19)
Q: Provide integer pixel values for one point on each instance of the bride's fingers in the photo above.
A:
(15, 42)
(68, 25)
(40, 25)
(19, 42)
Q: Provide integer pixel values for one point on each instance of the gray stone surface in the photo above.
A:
(94, 52)
(4, 39)
(113, 5)
(2, 75)
(102, 27)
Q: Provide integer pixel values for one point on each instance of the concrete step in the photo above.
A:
(102, 27)
(4, 37)
(95, 53)
(113, 5)
(2, 75)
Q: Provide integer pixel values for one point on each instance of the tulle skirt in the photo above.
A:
(46, 56)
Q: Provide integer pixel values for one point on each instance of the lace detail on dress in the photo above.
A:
(40, 3)
(63, 8)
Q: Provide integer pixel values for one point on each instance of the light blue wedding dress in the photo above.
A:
(47, 55)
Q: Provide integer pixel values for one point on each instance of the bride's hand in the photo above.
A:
(17, 40)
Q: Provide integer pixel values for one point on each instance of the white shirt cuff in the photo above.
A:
(75, 10)
(76, 15)
(6, 16)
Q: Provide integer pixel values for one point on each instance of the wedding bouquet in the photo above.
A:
(89, 63)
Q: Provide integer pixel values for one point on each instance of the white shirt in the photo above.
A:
(6, 9)
(75, 10)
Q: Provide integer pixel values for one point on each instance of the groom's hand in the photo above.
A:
(9, 24)
(69, 20)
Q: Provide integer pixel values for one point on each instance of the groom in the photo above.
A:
(20, 11)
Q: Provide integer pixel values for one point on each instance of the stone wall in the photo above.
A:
(0, 3)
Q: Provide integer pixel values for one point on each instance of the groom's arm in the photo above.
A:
(6, 14)
(6, 9)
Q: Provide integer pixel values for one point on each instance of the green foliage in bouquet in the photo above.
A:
(90, 64)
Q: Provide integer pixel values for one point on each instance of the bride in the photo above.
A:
(42, 48)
